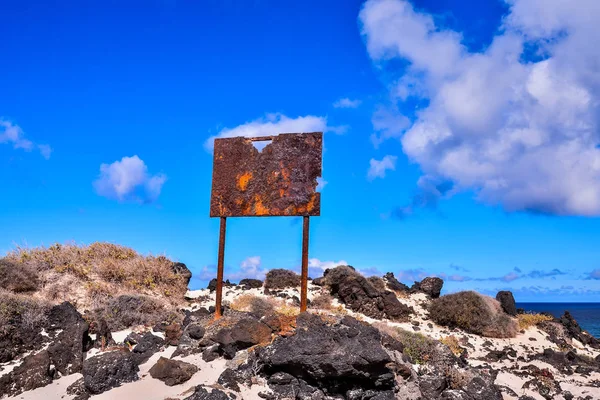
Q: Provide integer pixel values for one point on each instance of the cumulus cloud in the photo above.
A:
(273, 124)
(518, 128)
(378, 168)
(13, 134)
(129, 180)
(346, 103)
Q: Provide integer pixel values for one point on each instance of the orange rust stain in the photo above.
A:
(243, 180)
(259, 209)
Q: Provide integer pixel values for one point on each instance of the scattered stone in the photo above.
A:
(196, 332)
(172, 372)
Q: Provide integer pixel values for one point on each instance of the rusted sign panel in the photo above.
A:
(280, 180)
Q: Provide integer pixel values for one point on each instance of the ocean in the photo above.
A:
(586, 314)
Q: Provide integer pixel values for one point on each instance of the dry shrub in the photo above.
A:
(453, 344)
(24, 312)
(474, 313)
(456, 378)
(132, 310)
(17, 278)
(322, 301)
(281, 279)
(256, 305)
(99, 267)
(528, 320)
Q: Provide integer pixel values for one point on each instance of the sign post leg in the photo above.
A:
(219, 290)
(304, 283)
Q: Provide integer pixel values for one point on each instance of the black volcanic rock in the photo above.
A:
(66, 350)
(575, 331)
(507, 301)
(33, 373)
(212, 285)
(250, 283)
(182, 270)
(431, 286)
(360, 361)
(202, 394)
(360, 295)
(108, 371)
(395, 284)
(147, 345)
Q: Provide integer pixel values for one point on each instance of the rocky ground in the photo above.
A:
(362, 338)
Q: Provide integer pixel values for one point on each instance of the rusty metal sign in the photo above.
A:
(280, 180)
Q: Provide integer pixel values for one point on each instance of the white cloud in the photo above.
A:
(316, 267)
(523, 135)
(13, 134)
(378, 168)
(129, 180)
(273, 124)
(347, 103)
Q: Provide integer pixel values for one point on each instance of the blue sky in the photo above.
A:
(461, 140)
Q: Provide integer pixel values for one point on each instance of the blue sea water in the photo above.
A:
(586, 314)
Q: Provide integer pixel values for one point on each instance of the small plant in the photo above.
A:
(418, 347)
(453, 344)
(528, 320)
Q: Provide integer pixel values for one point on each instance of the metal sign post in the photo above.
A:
(280, 180)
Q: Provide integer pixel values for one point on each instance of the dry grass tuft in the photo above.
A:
(528, 320)
(256, 305)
